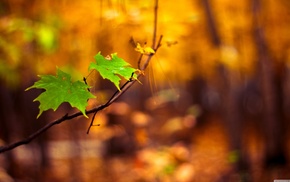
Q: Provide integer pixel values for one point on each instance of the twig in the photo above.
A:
(92, 122)
(155, 24)
(139, 61)
(146, 63)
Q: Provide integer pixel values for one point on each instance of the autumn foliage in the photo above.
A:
(211, 106)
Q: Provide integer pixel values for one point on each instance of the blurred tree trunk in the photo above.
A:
(18, 120)
(75, 163)
(230, 89)
(286, 90)
(215, 38)
(28, 111)
(7, 123)
(272, 119)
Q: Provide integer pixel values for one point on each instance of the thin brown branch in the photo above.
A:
(139, 61)
(146, 63)
(155, 24)
(92, 122)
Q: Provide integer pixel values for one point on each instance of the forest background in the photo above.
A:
(212, 106)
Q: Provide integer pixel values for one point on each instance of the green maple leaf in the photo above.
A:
(59, 89)
(113, 68)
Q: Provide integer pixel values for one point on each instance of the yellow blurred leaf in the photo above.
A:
(144, 49)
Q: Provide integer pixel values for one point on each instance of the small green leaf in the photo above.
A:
(59, 89)
(113, 68)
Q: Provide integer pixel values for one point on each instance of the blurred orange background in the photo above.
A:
(213, 104)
